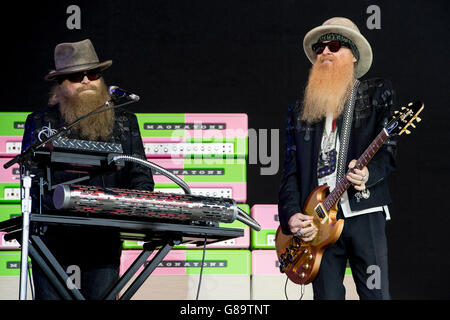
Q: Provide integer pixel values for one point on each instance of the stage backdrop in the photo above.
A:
(246, 57)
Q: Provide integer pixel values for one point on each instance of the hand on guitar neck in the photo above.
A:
(357, 177)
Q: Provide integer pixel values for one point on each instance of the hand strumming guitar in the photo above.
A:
(301, 225)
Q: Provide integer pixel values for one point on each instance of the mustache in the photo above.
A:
(329, 57)
(86, 87)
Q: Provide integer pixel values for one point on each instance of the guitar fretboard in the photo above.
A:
(343, 184)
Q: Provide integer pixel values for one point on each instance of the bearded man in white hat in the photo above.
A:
(339, 115)
(79, 89)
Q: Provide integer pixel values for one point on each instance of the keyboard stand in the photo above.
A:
(157, 236)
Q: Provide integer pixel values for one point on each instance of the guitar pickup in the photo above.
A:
(321, 213)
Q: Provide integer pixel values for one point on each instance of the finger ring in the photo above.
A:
(299, 232)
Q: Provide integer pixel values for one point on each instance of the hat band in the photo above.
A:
(339, 37)
(76, 67)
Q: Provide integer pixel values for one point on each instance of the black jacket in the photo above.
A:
(131, 176)
(374, 105)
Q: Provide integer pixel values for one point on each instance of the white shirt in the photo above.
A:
(330, 180)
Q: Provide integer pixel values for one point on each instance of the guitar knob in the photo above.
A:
(292, 252)
(306, 266)
(287, 256)
(310, 257)
(302, 275)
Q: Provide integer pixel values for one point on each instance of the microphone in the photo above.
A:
(118, 93)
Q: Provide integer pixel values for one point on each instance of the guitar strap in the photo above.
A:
(344, 137)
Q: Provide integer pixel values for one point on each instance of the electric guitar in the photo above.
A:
(300, 260)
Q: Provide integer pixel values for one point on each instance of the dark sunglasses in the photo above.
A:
(333, 46)
(78, 77)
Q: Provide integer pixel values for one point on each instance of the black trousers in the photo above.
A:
(363, 244)
(95, 281)
(91, 259)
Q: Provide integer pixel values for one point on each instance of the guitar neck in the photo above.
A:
(343, 184)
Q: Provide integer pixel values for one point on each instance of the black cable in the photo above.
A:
(285, 288)
(201, 269)
(302, 290)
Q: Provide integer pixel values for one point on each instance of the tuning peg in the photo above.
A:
(418, 119)
(407, 131)
(403, 108)
(396, 112)
(410, 104)
(413, 125)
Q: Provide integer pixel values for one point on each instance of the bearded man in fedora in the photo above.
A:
(79, 88)
(339, 115)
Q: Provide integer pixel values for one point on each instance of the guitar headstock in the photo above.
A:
(403, 119)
